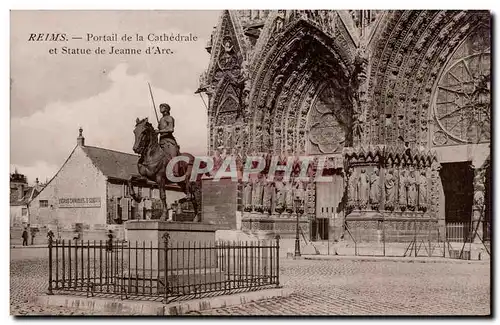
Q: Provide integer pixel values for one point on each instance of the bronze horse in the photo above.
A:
(152, 166)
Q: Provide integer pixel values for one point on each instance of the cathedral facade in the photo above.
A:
(395, 105)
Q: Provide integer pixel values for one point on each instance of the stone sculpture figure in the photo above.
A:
(412, 191)
(403, 190)
(218, 160)
(299, 194)
(363, 189)
(267, 196)
(257, 195)
(166, 127)
(289, 197)
(352, 197)
(280, 197)
(390, 190)
(422, 191)
(375, 189)
(219, 140)
(152, 165)
(247, 197)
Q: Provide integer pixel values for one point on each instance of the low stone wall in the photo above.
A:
(269, 227)
(378, 227)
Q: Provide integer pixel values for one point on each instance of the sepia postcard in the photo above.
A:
(250, 162)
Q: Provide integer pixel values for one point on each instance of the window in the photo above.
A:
(24, 212)
(44, 203)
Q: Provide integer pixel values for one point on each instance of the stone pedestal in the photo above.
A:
(219, 202)
(147, 236)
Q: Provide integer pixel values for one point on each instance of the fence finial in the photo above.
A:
(166, 238)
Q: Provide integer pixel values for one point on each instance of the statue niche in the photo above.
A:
(267, 196)
(247, 197)
(403, 190)
(390, 190)
(363, 189)
(412, 191)
(375, 189)
(280, 197)
(258, 188)
(422, 191)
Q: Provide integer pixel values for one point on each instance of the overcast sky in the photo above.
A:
(53, 95)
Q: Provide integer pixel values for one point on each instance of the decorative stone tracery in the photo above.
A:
(383, 88)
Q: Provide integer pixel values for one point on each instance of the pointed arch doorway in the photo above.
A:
(327, 132)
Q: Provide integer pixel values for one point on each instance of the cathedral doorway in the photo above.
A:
(457, 179)
(328, 220)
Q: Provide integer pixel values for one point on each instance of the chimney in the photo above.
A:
(80, 140)
(20, 189)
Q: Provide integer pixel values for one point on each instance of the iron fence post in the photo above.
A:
(50, 235)
(415, 235)
(383, 234)
(166, 237)
(278, 260)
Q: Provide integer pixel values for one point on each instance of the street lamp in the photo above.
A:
(299, 210)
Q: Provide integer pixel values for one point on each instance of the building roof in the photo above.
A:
(111, 163)
(117, 165)
(29, 194)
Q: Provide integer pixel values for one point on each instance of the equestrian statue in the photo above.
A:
(155, 154)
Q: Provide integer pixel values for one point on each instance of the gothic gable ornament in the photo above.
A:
(227, 59)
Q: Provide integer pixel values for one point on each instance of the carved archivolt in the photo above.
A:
(408, 52)
(301, 59)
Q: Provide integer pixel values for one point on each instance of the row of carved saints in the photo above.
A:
(260, 195)
(402, 190)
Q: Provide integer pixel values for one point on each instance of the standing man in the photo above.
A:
(25, 237)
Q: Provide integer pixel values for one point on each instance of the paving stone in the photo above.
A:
(321, 287)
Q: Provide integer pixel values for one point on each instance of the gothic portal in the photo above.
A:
(385, 98)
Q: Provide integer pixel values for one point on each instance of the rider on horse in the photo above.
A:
(166, 129)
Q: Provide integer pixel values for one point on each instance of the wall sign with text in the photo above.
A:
(80, 202)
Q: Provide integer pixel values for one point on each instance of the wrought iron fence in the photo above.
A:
(400, 238)
(458, 232)
(173, 271)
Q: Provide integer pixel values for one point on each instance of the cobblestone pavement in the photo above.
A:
(330, 287)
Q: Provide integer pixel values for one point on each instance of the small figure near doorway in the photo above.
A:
(109, 242)
(25, 237)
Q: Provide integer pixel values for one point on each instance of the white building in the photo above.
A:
(21, 196)
(89, 194)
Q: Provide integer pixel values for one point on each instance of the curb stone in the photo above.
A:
(394, 259)
(125, 307)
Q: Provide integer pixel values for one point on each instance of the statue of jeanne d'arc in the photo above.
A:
(166, 129)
